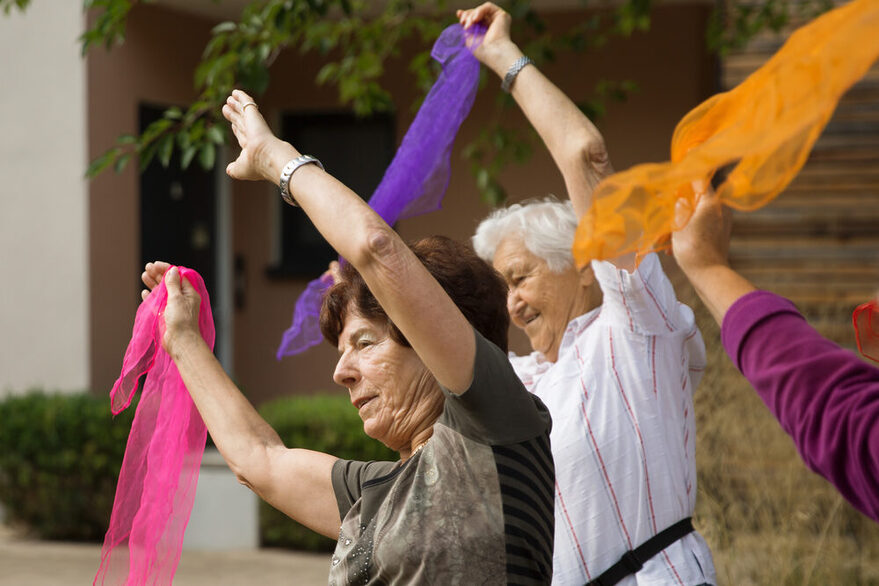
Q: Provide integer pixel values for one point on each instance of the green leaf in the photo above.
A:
(254, 79)
(165, 149)
(483, 179)
(207, 156)
(224, 27)
(216, 135)
(173, 113)
(187, 156)
(327, 72)
(101, 163)
(146, 155)
(121, 162)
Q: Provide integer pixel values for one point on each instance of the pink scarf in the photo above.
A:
(160, 470)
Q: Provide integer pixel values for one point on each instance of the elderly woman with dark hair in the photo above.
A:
(421, 334)
(616, 358)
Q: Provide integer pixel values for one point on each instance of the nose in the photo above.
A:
(346, 373)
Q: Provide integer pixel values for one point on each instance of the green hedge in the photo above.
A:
(60, 457)
(325, 424)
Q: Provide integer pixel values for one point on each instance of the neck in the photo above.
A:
(590, 300)
(417, 442)
(593, 298)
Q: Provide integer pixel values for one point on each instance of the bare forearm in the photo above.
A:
(297, 482)
(339, 214)
(575, 144)
(235, 426)
(410, 296)
(719, 287)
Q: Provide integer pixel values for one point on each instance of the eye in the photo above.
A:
(516, 280)
(364, 343)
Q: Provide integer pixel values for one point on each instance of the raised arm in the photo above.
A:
(822, 395)
(295, 481)
(438, 332)
(702, 249)
(575, 144)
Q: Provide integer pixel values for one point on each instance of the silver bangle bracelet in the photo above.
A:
(517, 66)
(287, 173)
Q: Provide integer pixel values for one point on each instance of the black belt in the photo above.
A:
(632, 561)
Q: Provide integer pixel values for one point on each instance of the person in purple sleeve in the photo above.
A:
(825, 397)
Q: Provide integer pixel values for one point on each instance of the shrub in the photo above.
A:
(60, 457)
(324, 424)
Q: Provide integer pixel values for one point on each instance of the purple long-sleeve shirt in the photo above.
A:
(825, 397)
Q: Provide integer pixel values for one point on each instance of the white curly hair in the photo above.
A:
(546, 226)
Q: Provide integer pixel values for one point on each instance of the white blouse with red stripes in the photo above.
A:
(623, 433)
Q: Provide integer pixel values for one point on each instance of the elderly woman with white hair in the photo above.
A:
(616, 359)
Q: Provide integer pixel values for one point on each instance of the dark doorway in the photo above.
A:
(178, 213)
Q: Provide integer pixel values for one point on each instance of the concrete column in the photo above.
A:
(43, 200)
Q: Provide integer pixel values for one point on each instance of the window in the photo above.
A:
(356, 151)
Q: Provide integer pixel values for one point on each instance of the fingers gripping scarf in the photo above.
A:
(417, 178)
(765, 127)
(160, 470)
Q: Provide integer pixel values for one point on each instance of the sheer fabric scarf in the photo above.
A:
(159, 473)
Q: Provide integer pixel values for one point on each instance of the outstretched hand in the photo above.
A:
(494, 48)
(701, 248)
(704, 240)
(254, 137)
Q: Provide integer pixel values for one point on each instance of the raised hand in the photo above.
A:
(704, 240)
(496, 49)
(254, 137)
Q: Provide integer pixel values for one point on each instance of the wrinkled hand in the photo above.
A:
(181, 312)
(254, 137)
(152, 275)
(704, 240)
(184, 302)
(495, 48)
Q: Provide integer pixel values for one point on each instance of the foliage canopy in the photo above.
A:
(356, 38)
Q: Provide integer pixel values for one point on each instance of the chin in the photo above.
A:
(372, 432)
(539, 346)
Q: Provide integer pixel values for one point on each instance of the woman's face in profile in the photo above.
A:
(388, 384)
(541, 302)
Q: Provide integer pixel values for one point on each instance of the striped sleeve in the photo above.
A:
(526, 477)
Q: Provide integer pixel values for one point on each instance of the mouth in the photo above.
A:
(527, 319)
(359, 403)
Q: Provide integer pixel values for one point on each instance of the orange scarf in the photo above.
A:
(765, 127)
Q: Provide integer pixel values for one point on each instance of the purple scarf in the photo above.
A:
(417, 178)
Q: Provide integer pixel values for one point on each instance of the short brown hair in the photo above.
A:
(477, 289)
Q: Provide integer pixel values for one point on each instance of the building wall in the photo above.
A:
(669, 64)
(43, 201)
(674, 74)
(153, 66)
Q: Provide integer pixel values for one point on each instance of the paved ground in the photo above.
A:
(26, 562)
